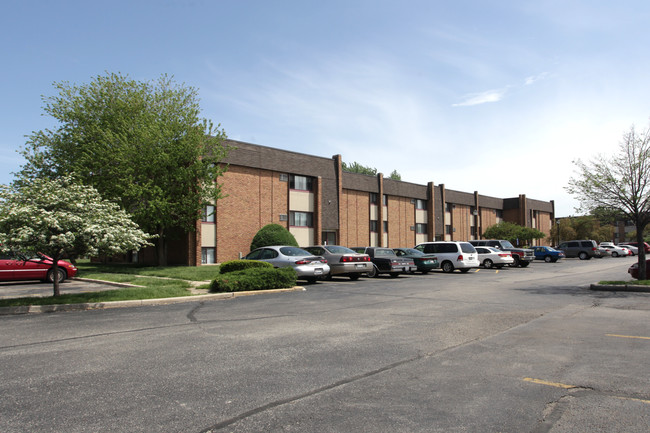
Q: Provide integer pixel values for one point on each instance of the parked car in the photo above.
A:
(308, 266)
(548, 254)
(646, 246)
(634, 250)
(385, 261)
(583, 249)
(613, 250)
(452, 255)
(634, 269)
(424, 262)
(522, 256)
(342, 260)
(19, 266)
(493, 257)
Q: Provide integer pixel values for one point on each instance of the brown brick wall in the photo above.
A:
(488, 219)
(461, 222)
(355, 218)
(252, 199)
(401, 216)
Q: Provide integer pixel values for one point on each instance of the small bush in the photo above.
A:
(254, 279)
(273, 234)
(240, 265)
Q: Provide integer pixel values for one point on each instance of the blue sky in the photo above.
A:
(497, 97)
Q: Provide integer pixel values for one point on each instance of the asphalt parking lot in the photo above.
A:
(519, 350)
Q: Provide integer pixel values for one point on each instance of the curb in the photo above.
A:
(637, 288)
(35, 309)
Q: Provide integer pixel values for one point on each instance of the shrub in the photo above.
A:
(254, 279)
(273, 234)
(240, 265)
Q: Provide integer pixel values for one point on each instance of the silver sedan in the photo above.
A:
(307, 266)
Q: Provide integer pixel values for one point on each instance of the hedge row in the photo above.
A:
(240, 265)
(259, 278)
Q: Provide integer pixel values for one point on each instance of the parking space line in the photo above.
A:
(544, 382)
(628, 336)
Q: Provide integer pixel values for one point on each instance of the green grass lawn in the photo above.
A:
(155, 282)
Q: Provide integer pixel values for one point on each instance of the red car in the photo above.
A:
(634, 269)
(17, 266)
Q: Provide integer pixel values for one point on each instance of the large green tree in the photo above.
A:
(620, 183)
(61, 218)
(141, 144)
(512, 232)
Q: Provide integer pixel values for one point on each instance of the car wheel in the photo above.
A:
(447, 267)
(487, 263)
(373, 272)
(50, 276)
(354, 277)
(548, 259)
(583, 256)
(394, 274)
(524, 264)
(614, 254)
(516, 262)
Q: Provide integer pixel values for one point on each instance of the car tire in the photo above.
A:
(447, 267)
(548, 259)
(373, 272)
(524, 264)
(487, 263)
(614, 254)
(50, 276)
(516, 262)
(583, 256)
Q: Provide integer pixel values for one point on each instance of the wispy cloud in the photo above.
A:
(482, 98)
(534, 78)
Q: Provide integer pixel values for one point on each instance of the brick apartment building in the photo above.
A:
(318, 202)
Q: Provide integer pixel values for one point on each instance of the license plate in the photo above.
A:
(359, 266)
(318, 271)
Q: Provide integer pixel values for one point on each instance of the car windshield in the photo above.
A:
(412, 252)
(384, 252)
(506, 244)
(294, 252)
(335, 249)
(467, 247)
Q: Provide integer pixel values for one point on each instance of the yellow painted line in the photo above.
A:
(628, 336)
(634, 399)
(544, 382)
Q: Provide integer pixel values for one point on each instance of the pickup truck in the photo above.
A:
(385, 261)
(523, 256)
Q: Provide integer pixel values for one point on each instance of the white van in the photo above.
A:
(452, 255)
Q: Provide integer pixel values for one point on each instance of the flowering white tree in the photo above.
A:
(63, 217)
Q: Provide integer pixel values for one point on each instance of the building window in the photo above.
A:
(329, 238)
(374, 226)
(385, 200)
(447, 207)
(301, 183)
(385, 226)
(374, 198)
(420, 204)
(207, 216)
(499, 213)
(472, 230)
(208, 256)
(301, 219)
(447, 229)
(420, 228)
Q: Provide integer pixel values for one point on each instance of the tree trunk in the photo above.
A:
(161, 248)
(55, 272)
(641, 245)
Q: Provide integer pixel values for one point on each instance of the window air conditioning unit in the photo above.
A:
(283, 217)
(284, 177)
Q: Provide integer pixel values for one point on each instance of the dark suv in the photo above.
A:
(523, 256)
(583, 249)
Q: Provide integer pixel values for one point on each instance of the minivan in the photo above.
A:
(583, 249)
(452, 255)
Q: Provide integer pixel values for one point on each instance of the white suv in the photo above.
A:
(452, 255)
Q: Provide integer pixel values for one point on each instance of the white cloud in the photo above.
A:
(482, 98)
